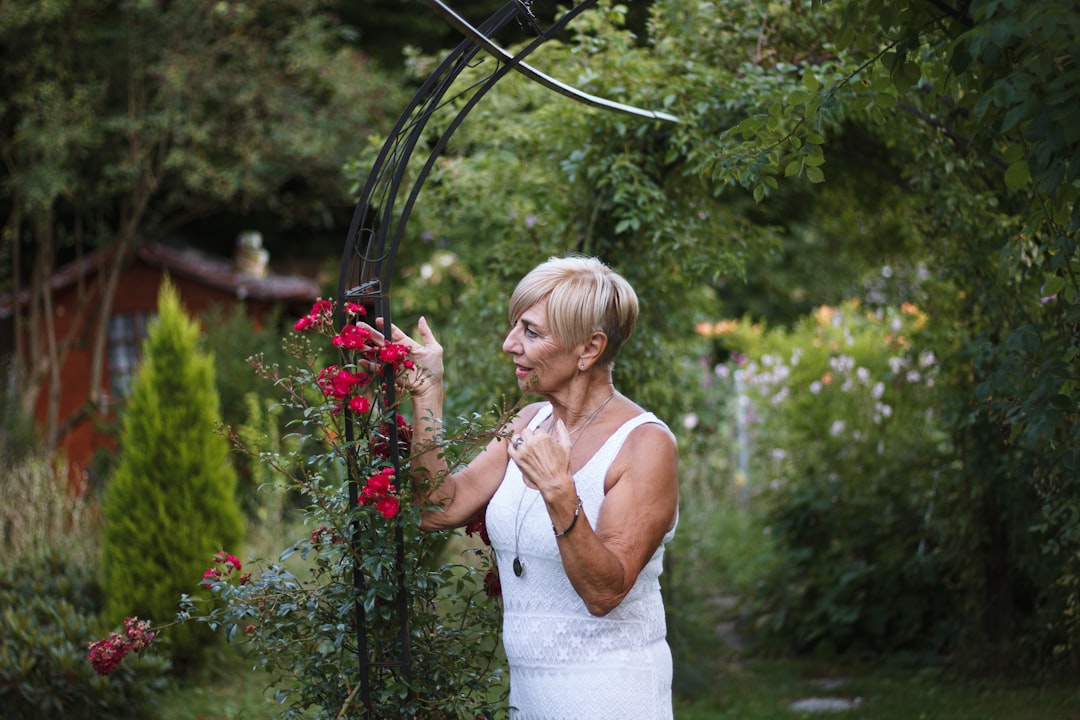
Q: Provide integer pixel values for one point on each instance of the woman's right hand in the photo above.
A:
(426, 376)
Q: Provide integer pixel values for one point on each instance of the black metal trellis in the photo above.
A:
(378, 224)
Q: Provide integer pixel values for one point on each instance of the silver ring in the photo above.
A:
(516, 442)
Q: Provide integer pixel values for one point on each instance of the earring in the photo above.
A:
(581, 367)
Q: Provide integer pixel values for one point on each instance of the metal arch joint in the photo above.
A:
(499, 53)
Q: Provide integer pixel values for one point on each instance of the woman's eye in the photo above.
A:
(529, 333)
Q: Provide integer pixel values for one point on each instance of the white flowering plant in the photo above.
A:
(845, 447)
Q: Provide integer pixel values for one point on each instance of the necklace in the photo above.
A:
(519, 518)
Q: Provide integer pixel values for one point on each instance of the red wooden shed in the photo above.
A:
(202, 281)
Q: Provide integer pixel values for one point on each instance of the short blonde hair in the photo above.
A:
(584, 296)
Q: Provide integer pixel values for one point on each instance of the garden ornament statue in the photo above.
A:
(388, 196)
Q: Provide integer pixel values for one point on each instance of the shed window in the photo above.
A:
(126, 334)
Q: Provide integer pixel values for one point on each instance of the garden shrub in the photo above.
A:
(49, 606)
(171, 502)
(847, 456)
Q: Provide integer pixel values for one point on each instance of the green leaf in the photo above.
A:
(815, 175)
(798, 97)
(1013, 152)
(886, 101)
(1053, 285)
(1017, 175)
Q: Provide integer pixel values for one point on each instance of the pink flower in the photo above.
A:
(353, 309)
(352, 337)
(321, 313)
(387, 506)
(379, 483)
(376, 489)
(228, 563)
(338, 384)
(106, 655)
(359, 404)
(379, 491)
(478, 527)
(138, 632)
(380, 441)
(395, 354)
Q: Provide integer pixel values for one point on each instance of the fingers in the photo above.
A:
(425, 332)
(397, 335)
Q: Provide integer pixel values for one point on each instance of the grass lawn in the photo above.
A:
(763, 690)
(227, 689)
(745, 690)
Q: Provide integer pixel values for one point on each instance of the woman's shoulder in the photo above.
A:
(528, 413)
(640, 417)
(643, 425)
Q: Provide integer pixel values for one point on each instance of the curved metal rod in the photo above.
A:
(532, 73)
(377, 263)
(478, 94)
(394, 154)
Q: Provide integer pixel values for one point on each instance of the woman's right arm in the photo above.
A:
(452, 499)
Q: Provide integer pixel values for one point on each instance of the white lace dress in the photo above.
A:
(566, 664)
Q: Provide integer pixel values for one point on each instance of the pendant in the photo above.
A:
(517, 567)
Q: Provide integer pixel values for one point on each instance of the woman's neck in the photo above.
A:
(577, 412)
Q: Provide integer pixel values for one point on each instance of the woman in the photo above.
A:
(580, 501)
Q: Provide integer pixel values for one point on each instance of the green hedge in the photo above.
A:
(50, 611)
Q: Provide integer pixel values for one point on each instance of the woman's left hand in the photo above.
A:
(544, 458)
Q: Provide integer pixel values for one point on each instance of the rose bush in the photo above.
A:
(376, 624)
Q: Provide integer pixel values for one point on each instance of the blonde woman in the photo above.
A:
(579, 501)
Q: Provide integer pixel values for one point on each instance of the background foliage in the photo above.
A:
(125, 120)
(890, 152)
(953, 186)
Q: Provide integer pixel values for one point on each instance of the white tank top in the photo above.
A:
(566, 664)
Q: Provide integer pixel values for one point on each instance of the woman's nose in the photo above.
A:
(510, 341)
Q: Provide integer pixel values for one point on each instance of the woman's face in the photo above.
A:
(541, 363)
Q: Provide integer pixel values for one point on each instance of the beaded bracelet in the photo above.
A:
(577, 511)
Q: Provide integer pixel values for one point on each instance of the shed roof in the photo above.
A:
(181, 260)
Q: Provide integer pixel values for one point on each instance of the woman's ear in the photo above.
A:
(592, 350)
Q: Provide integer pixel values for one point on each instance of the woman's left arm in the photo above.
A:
(639, 508)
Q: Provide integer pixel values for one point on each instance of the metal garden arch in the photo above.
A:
(386, 201)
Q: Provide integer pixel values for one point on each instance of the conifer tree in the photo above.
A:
(171, 503)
